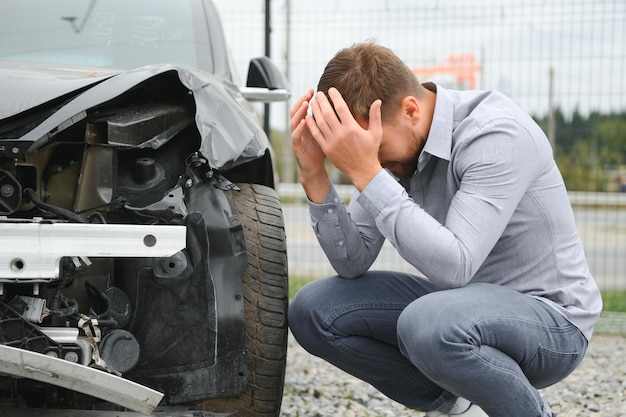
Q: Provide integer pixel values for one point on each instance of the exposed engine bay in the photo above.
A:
(109, 208)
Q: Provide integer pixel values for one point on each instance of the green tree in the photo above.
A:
(590, 150)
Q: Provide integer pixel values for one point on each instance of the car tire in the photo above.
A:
(266, 295)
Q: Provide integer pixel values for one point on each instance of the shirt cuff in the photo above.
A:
(381, 191)
(326, 210)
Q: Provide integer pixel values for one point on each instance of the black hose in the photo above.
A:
(66, 214)
(69, 308)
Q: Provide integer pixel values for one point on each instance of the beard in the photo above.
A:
(401, 170)
(405, 167)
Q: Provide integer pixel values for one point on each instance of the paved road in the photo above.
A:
(603, 232)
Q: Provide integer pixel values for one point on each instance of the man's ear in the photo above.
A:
(410, 108)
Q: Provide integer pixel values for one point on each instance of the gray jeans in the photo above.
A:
(423, 348)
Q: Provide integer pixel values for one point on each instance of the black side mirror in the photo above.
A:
(263, 73)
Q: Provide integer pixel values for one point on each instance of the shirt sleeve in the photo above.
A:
(349, 237)
(495, 167)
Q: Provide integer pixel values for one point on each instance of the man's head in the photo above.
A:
(366, 72)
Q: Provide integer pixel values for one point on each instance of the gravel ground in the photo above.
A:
(313, 388)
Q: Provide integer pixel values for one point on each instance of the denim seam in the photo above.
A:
(515, 376)
(355, 307)
(553, 329)
(328, 323)
(560, 329)
(337, 342)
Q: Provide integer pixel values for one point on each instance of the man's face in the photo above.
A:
(400, 146)
(399, 149)
(401, 143)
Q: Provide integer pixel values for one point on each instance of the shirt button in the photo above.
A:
(340, 243)
(330, 211)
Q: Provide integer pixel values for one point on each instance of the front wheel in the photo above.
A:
(266, 292)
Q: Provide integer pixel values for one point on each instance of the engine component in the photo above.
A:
(119, 306)
(70, 336)
(16, 331)
(120, 350)
(175, 266)
(141, 126)
(111, 306)
(32, 309)
(10, 193)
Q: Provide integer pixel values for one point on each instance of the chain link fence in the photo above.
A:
(564, 61)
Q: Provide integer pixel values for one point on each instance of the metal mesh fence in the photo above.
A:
(564, 61)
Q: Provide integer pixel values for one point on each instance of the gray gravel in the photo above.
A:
(313, 388)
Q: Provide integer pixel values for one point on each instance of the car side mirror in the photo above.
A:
(263, 73)
(265, 82)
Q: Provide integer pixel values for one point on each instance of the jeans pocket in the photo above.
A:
(548, 367)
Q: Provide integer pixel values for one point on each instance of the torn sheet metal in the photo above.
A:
(229, 129)
(120, 391)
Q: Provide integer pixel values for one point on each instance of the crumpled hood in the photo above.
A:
(230, 133)
(24, 85)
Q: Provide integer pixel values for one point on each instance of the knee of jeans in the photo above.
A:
(423, 331)
(302, 317)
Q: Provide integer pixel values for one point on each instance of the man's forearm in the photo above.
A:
(316, 186)
(351, 249)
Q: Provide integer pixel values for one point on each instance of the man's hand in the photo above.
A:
(352, 148)
(309, 155)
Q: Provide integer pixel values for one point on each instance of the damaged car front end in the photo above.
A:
(142, 251)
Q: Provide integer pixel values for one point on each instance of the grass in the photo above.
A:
(295, 283)
(614, 300)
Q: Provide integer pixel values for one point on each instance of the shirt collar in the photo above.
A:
(439, 140)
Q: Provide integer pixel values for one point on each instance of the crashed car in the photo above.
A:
(143, 265)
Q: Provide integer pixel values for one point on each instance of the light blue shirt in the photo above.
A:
(486, 204)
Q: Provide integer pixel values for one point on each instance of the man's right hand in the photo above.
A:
(309, 155)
